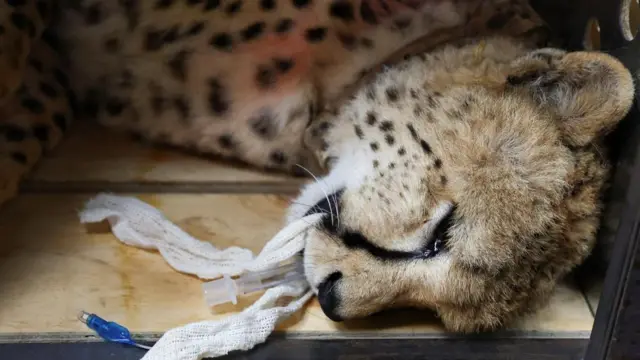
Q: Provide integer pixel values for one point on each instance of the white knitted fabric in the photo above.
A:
(138, 224)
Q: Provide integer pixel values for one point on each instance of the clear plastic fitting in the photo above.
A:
(227, 289)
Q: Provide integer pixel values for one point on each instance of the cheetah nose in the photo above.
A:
(327, 296)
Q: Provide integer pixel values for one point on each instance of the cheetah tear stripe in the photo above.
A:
(136, 223)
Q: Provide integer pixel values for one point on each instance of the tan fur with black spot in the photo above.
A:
(236, 79)
(486, 197)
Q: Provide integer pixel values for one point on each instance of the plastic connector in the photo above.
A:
(108, 330)
(226, 289)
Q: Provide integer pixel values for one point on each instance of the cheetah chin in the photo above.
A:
(465, 181)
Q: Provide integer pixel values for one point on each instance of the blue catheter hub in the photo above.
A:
(108, 330)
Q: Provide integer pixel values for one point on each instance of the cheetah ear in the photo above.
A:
(588, 92)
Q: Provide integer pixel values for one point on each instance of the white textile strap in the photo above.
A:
(138, 224)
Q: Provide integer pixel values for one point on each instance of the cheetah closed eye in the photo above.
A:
(465, 181)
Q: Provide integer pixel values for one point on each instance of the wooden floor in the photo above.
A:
(51, 266)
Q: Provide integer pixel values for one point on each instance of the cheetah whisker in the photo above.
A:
(323, 188)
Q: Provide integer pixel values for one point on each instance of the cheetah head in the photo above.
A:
(465, 181)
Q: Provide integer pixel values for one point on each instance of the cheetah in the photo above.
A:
(237, 79)
(466, 180)
(462, 177)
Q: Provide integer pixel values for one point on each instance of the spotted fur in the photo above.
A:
(466, 181)
(233, 78)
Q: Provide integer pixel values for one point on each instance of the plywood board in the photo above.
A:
(51, 267)
(90, 153)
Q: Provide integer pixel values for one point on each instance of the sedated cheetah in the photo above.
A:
(464, 180)
(238, 79)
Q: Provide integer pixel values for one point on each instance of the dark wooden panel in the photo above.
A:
(294, 349)
(616, 332)
(566, 18)
(625, 343)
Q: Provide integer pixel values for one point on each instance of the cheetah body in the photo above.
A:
(237, 79)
